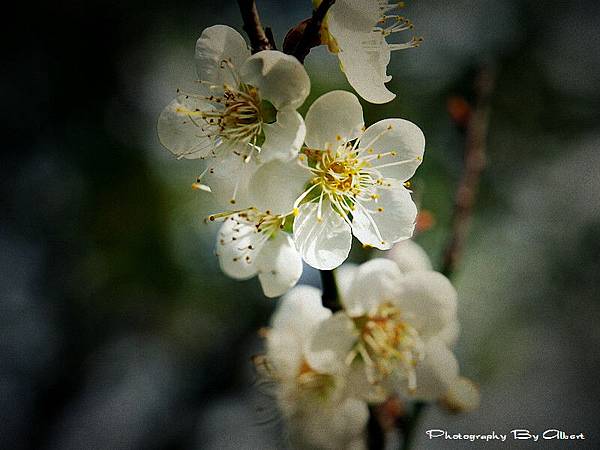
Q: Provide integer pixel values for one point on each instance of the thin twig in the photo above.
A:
(252, 26)
(330, 294)
(375, 433)
(409, 425)
(311, 34)
(475, 161)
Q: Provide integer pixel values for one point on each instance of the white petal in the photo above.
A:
(283, 138)
(364, 54)
(300, 311)
(217, 44)
(330, 344)
(403, 138)
(343, 278)
(285, 354)
(375, 282)
(324, 244)
(279, 265)
(429, 301)
(353, 16)
(236, 259)
(366, 71)
(450, 333)
(333, 117)
(292, 325)
(228, 176)
(281, 79)
(463, 396)
(436, 373)
(180, 128)
(275, 186)
(389, 219)
(327, 425)
(410, 256)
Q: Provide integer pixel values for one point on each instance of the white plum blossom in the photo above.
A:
(357, 31)
(244, 109)
(388, 339)
(252, 241)
(357, 184)
(411, 257)
(316, 405)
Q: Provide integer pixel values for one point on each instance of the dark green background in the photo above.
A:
(118, 331)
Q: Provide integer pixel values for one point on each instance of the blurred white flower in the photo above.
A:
(410, 257)
(463, 396)
(389, 337)
(357, 31)
(315, 404)
(245, 108)
(357, 181)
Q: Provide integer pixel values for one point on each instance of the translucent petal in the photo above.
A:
(429, 301)
(228, 176)
(403, 138)
(353, 16)
(375, 282)
(333, 117)
(279, 265)
(389, 219)
(238, 244)
(275, 186)
(330, 344)
(283, 138)
(181, 129)
(364, 54)
(217, 44)
(325, 243)
(280, 78)
(366, 70)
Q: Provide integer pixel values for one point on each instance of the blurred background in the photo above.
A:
(117, 329)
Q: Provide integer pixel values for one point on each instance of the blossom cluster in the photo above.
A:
(292, 190)
(393, 338)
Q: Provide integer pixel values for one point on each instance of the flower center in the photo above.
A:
(340, 175)
(252, 229)
(387, 342)
(317, 383)
(237, 115)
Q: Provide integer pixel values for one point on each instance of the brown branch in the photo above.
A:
(307, 34)
(475, 162)
(252, 26)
